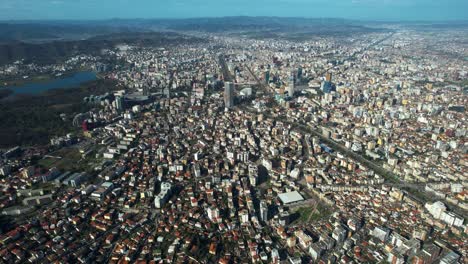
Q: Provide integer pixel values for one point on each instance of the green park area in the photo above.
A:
(63, 159)
(309, 214)
(68, 159)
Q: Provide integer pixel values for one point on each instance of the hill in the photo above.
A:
(56, 51)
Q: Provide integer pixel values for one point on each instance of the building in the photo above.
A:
(75, 179)
(163, 196)
(253, 174)
(38, 200)
(328, 87)
(246, 92)
(316, 250)
(50, 175)
(263, 211)
(102, 191)
(291, 197)
(228, 94)
(5, 170)
(291, 85)
(213, 213)
(381, 233)
(304, 240)
(439, 211)
(339, 234)
(299, 73)
(284, 218)
(119, 103)
(29, 171)
(450, 258)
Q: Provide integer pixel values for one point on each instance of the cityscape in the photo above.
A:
(258, 142)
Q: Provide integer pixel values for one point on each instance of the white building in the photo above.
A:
(163, 196)
(263, 211)
(213, 213)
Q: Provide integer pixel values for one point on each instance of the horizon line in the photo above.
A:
(236, 16)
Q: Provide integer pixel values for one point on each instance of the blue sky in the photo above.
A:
(354, 9)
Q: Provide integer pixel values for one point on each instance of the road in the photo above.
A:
(413, 190)
(389, 176)
(226, 74)
(355, 54)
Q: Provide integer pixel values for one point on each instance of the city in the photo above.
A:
(231, 149)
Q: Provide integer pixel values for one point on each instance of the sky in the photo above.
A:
(394, 10)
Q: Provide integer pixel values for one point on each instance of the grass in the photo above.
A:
(304, 213)
(47, 162)
(312, 214)
(66, 159)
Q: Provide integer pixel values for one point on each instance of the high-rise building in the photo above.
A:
(266, 77)
(327, 87)
(263, 211)
(299, 73)
(291, 86)
(228, 94)
(119, 103)
(163, 196)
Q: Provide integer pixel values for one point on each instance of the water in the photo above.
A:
(63, 83)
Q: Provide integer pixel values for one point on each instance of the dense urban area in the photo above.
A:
(234, 149)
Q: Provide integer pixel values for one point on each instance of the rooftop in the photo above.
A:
(291, 197)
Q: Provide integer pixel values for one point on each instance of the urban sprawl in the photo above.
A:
(236, 150)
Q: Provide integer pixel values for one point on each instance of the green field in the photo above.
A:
(312, 213)
(69, 159)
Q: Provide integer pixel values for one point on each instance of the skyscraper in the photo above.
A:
(263, 211)
(228, 94)
(291, 86)
(119, 103)
(327, 85)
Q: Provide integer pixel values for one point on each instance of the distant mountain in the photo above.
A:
(50, 41)
(46, 42)
(47, 31)
(241, 23)
(40, 31)
(439, 26)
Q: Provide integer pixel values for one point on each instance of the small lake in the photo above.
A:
(71, 81)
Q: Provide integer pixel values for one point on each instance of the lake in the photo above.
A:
(72, 81)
